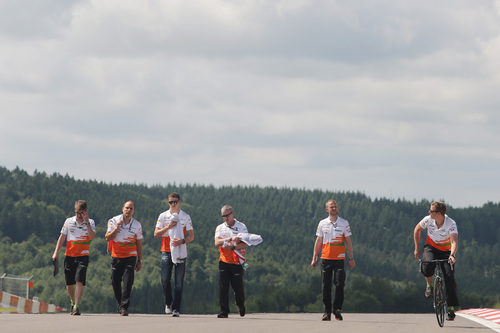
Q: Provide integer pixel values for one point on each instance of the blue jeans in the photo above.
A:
(166, 273)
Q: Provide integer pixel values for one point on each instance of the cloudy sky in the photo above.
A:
(397, 99)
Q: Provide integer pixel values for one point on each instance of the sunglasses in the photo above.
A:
(173, 202)
(227, 215)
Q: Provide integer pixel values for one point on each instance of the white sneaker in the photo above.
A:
(168, 310)
(175, 313)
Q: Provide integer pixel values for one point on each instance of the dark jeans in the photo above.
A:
(166, 273)
(122, 269)
(332, 270)
(230, 274)
(431, 253)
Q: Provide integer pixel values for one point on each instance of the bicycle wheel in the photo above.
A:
(439, 300)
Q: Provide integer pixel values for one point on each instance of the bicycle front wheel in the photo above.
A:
(439, 301)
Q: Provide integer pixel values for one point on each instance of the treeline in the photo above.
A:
(279, 278)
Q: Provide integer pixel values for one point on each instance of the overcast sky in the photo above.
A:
(396, 99)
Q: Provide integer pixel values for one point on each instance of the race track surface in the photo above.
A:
(252, 323)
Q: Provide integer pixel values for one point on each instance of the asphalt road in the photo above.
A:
(252, 323)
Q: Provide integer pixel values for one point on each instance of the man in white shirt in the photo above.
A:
(230, 268)
(125, 239)
(172, 226)
(78, 231)
(441, 243)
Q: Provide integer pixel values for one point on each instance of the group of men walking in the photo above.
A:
(174, 226)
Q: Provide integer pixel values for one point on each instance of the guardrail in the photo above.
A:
(14, 304)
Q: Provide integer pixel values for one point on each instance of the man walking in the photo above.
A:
(125, 237)
(78, 231)
(172, 226)
(333, 236)
(230, 269)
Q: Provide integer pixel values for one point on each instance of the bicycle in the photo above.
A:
(439, 298)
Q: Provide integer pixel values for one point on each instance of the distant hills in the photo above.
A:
(34, 206)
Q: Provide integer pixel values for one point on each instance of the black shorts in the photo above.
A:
(75, 269)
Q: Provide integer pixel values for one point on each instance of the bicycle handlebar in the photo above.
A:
(420, 261)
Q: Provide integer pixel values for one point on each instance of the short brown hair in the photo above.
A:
(81, 205)
(439, 207)
(174, 195)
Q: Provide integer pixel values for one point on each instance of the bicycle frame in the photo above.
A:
(439, 299)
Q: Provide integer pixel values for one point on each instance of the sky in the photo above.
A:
(394, 99)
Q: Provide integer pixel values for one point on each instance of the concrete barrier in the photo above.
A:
(14, 304)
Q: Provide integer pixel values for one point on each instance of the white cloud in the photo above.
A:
(377, 97)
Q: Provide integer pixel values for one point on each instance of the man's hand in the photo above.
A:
(352, 263)
(313, 262)
(177, 242)
(416, 253)
(227, 245)
(138, 266)
(85, 216)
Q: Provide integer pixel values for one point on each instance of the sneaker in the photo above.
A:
(428, 292)
(76, 311)
(337, 314)
(222, 315)
(72, 309)
(451, 315)
(175, 313)
(327, 317)
(168, 310)
(242, 311)
(123, 312)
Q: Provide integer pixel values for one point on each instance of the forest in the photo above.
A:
(279, 278)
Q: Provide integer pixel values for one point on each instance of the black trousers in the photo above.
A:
(122, 270)
(332, 270)
(230, 274)
(431, 253)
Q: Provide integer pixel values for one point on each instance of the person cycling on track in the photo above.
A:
(441, 243)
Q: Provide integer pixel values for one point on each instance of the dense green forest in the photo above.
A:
(279, 278)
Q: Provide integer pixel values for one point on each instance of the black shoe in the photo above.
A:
(327, 317)
(242, 311)
(428, 292)
(76, 311)
(123, 312)
(175, 313)
(337, 314)
(222, 315)
(451, 315)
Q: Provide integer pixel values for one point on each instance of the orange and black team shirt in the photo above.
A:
(164, 219)
(125, 242)
(439, 238)
(77, 238)
(333, 235)
(225, 231)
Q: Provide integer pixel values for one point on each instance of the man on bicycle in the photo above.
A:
(441, 243)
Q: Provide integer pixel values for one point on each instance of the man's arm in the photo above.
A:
(189, 238)
(60, 242)
(317, 248)
(160, 231)
(110, 235)
(350, 253)
(90, 232)
(454, 247)
(416, 238)
(139, 255)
